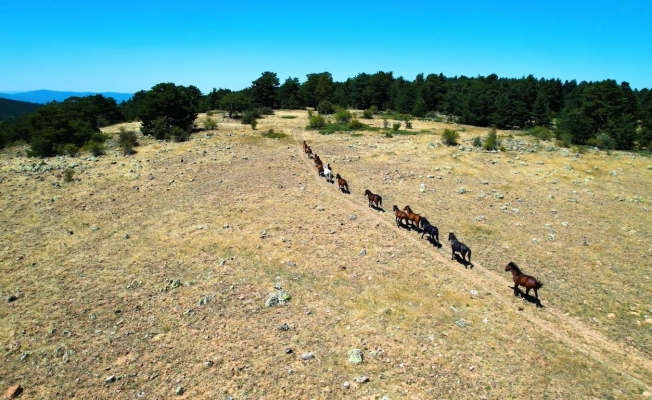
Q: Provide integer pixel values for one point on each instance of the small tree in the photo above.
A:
(70, 149)
(355, 124)
(127, 140)
(68, 173)
(396, 126)
(385, 123)
(210, 124)
(316, 122)
(491, 141)
(343, 116)
(248, 116)
(325, 108)
(449, 137)
(253, 124)
(367, 114)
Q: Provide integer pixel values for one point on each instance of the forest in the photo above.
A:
(12, 109)
(605, 114)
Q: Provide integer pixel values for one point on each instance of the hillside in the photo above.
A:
(10, 109)
(45, 96)
(149, 273)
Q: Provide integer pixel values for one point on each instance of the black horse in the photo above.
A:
(459, 247)
(431, 230)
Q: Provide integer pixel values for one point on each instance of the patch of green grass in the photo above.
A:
(334, 127)
(289, 116)
(356, 134)
(270, 134)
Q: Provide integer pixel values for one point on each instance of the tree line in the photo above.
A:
(604, 114)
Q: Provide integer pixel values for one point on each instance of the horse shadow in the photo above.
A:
(462, 261)
(529, 298)
(345, 191)
(434, 242)
(378, 208)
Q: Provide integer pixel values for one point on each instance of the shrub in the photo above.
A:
(316, 122)
(210, 124)
(367, 114)
(95, 148)
(541, 133)
(477, 142)
(449, 137)
(265, 111)
(248, 116)
(179, 135)
(355, 124)
(602, 142)
(396, 126)
(325, 108)
(408, 122)
(374, 110)
(159, 128)
(210, 113)
(563, 140)
(385, 123)
(253, 124)
(70, 149)
(270, 134)
(68, 173)
(389, 135)
(491, 141)
(343, 116)
(431, 114)
(127, 140)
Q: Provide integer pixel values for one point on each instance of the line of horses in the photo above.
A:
(408, 219)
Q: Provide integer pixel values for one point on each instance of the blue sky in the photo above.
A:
(125, 46)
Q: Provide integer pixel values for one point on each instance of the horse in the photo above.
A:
(328, 173)
(459, 247)
(414, 218)
(431, 230)
(373, 198)
(309, 152)
(317, 160)
(400, 216)
(304, 146)
(342, 183)
(320, 169)
(520, 279)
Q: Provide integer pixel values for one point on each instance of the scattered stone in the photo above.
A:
(485, 182)
(208, 363)
(564, 224)
(285, 327)
(485, 320)
(92, 316)
(613, 173)
(278, 286)
(479, 218)
(352, 217)
(363, 252)
(11, 298)
(279, 297)
(110, 379)
(127, 236)
(320, 208)
(471, 368)
(611, 315)
(289, 351)
(498, 195)
(24, 356)
(474, 292)
(573, 200)
(422, 188)
(355, 356)
(95, 227)
(535, 240)
(362, 379)
(346, 385)
(462, 323)
(203, 300)
(13, 391)
(292, 264)
(461, 190)
(179, 390)
(307, 356)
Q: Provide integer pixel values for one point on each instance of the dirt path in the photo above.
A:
(573, 333)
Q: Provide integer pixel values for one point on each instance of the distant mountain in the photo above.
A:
(44, 96)
(10, 109)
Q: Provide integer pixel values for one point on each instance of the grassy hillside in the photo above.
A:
(10, 109)
(149, 273)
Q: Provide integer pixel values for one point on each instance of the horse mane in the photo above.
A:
(515, 267)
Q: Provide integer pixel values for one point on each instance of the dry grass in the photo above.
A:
(196, 211)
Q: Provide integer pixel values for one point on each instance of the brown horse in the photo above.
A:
(374, 199)
(305, 145)
(400, 216)
(320, 169)
(528, 282)
(342, 183)
(317, 160)
(309, 152)
(414, 218)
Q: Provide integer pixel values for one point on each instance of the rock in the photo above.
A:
(461, 190)
(292, 264)
(346, 385)
(11, 298)
(362, 379)
(278, 286)
(422, 188)
(279, 297)
(13, 391)
(462, 323)
(613, 173)
(95, 228)
(611, 315)
(208, 363)
(485, 320)
(363, 252)
(479, 218)
(284, 327)
(471, 368)
(573, 200)
(320, 208)
(474, 292)
(289, 351)
(127, 236)
(498, 195)
(564, 224)
(352, 217)
(307, 356)
(110, 379)
(355, 356)
(485, 182)
(179, 391)
(535, 240)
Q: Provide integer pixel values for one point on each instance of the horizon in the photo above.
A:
(229, 45)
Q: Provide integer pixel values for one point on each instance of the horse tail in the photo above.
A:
(380, 201)
(538, 284)
(469, 254)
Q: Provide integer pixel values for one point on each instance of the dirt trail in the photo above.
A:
(573, 333)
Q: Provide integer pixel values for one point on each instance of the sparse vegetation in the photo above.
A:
(477, 141)
(270, 134)
(68, 175)
(449, 137)
(325, 108)
(210, 124)
(491, 141)
(127, 140)
(396, 126)
(316, 122)
(342, 116)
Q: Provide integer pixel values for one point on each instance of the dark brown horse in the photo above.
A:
(309, 152)
(400, 216)
(320, 169)
(528, 282)
(459, 247)
(342, 183)
(414, 218)
(374, 199)
(305, 145)
(317, 160)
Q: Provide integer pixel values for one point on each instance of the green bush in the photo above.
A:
(343, 116)
(541, 133)
(265, 111)
(127, 141)
(270, 134)
(374, 110)
(210, 124)
(491, 141)
(209, 113)
(316, 122)
(602, 142)
(408, 122)
(95, 148)
(325, 108)
(367, 114)
(178, 134)
(477, 142)
(355, 124)
(449, 137)
(159, 128)
(70, 149)
(68, 173)
(253, 124)
(248, 116)
(396, 126)
(385, 123)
